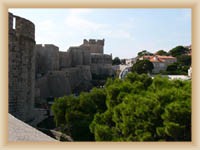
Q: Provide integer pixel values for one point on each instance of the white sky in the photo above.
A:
(126, 31)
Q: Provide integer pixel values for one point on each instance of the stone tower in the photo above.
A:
(47, 58)
(95, 46)
(21, 67)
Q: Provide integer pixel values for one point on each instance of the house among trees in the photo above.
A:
(160, 63)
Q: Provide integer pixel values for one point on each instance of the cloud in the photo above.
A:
(77, 11)
(116, 33)
(79, 23)
(87, 27)
(129, 24)
(46, 25)
(46, 32)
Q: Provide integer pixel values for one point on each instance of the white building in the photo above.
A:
(190, 71)
(130, 61)
(160, 63)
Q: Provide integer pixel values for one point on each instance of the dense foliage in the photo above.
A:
(143, 66)
(161, 52)
(177, 69)
(116, 61)
(74, 114)
(137, 108)
(178, 50)
(183, 61)
(144, 52)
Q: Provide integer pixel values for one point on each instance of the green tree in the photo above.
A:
(145, 115)
(184, 60)
(177, 121)
(144, 52)
(172, 68)
(178, 68)
(116, 61)
(179, 50)
(143, 66)
(161, 52)
(137, 108)
(74, 114)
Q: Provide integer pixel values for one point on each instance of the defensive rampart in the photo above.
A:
(21, 67)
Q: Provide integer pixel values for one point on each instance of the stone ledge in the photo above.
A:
(19, 131)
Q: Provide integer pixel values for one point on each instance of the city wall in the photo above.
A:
(101, 64)
(94, 46)
(39, 71)
(21, 67)
(47, 58)
(73, 68)
(62, 82)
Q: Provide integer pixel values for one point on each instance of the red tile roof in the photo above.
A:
(158, 58)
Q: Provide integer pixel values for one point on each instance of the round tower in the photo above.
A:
(21, 67)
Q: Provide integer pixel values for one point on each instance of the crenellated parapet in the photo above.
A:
(22, 27)
(93, 41)
(95, 46)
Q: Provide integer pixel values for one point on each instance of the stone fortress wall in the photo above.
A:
(95, 46)
(38, 72)
(79, 56)
(47, 58)
(75, 69)
(21, 67)
(101, 64)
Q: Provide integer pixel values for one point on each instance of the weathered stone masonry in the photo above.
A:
(95, 46)
(47, 58)
(75, 70)
(21, 67)
(40, 71)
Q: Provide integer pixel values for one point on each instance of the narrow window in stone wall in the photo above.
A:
(14, 23)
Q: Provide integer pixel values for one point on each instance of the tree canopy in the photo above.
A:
(144, 52)
(143, 66)
(137, 108)
(74, 114)
(183, 61)
(116, 61)
(162, 52)
(142, 109)
(178, 50)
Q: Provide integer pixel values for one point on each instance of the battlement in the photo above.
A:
(93, 41)
(21, 27)
(94, 46)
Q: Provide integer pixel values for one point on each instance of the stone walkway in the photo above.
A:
(20, 131)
